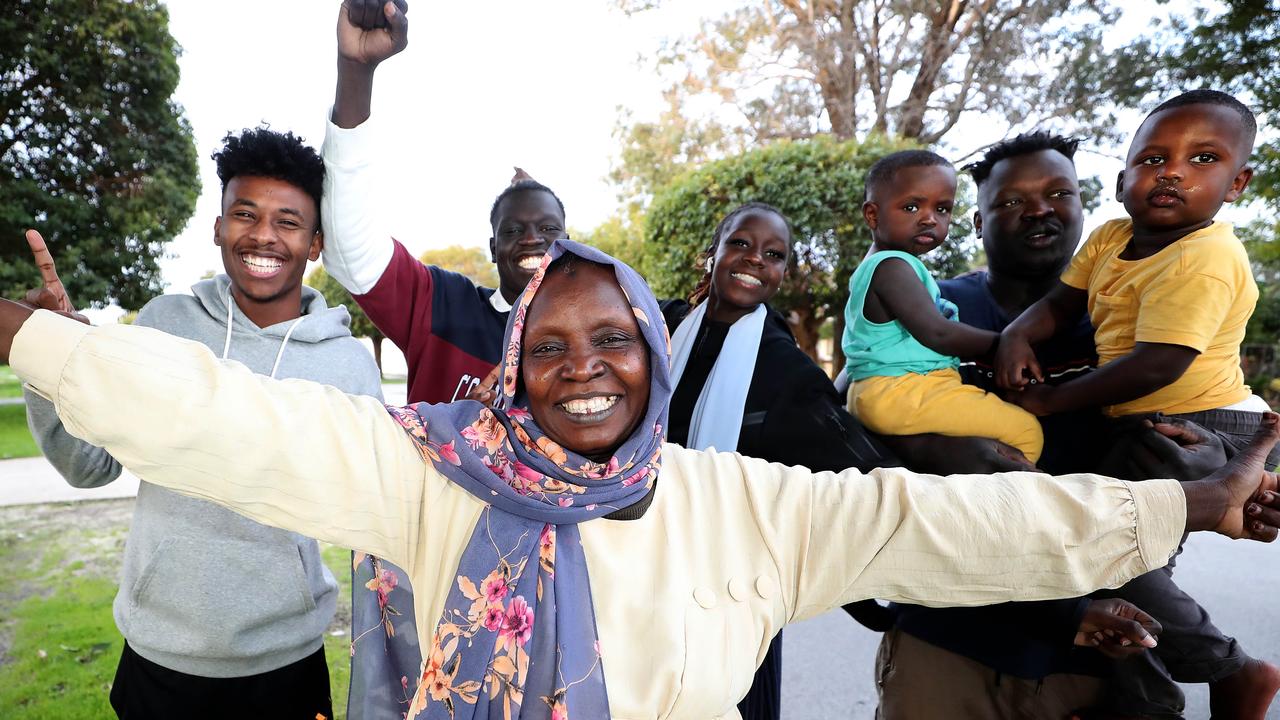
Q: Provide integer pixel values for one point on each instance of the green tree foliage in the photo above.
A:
(94, 152)
(1260, 238)
(621, 236)
(334, 294)
(818, 184)
(474, 262)
(1233, 46)
(774, 69)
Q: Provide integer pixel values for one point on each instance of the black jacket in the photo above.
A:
(792, 413)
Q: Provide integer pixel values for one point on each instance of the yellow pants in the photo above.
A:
(939, 402)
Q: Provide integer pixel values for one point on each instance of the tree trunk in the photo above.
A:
(805, 327)
(936, 49)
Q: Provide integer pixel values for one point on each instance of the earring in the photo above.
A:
(708, 264)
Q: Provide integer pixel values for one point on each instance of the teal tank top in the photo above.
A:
(886, 349)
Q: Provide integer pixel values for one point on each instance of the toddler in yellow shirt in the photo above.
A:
(1169, 290)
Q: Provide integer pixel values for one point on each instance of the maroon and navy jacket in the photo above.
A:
(446, 326)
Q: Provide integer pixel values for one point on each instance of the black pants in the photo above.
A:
(764, 699)
(1234, 427)
(144, 690)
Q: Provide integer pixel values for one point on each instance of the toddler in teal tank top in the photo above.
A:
(902, 341)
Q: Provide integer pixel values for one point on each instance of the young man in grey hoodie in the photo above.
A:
(224, 617)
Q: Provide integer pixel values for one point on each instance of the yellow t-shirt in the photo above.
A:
(1198, 292)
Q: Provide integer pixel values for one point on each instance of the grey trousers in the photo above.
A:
(1192, 649)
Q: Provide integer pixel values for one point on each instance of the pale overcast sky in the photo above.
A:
(482, 87)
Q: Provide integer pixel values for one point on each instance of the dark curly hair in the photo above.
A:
(263, 152)
(703, 288)
(522, 186)
(1017, 146)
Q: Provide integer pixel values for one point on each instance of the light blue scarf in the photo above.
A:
(717, 416)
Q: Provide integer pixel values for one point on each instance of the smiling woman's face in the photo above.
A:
(750, 261)
(585, 363)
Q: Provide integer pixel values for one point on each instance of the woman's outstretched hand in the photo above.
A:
(1241, 499)
(12, 315)
(52, 296)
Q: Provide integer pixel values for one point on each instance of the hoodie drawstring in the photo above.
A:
(284, 342)
(226, 345)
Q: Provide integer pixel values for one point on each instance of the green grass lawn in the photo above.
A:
(9, 384)
(58, 643)
(15, 438)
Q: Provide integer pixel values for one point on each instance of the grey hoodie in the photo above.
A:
(206, 591)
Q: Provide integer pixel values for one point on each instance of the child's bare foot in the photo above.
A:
(1247, 694)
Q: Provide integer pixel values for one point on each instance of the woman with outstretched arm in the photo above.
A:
(565, 560)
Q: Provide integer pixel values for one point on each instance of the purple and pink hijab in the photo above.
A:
(517, 638)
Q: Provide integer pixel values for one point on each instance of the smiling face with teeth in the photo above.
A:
(268, 230)
(584, 362)
(1183, 164)
(749, 264)
(525, 225)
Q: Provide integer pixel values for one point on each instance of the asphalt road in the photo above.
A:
(829, 660)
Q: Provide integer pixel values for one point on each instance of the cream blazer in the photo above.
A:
(686, 597)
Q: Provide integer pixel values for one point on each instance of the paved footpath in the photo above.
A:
(27, 481)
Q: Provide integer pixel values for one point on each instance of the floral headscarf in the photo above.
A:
(517, 637)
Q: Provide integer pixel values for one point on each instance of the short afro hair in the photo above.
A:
(263, 152)
(1019, 145)
(886, 167)
(1206, 96)
(529, 185)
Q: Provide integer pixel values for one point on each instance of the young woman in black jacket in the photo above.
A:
(742, 383)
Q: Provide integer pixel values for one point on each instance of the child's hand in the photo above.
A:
(1015, 361)
(1035, 399)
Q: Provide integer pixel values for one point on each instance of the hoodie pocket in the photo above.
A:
(221, 598)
